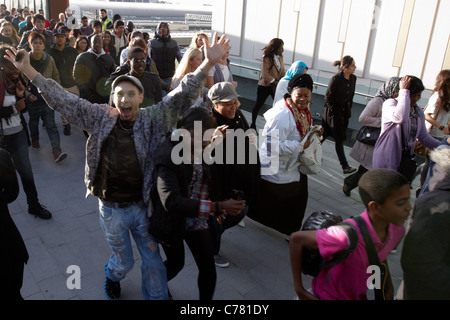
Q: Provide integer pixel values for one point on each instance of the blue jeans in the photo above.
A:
(117, 223)
(17, 145)
(168, 81)
(47, 115)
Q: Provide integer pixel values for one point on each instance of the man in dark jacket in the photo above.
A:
(236, 177)
(14, 252)
(135, 66)
(38, 25)
(91, 71)
(164, 51)
(64, 56)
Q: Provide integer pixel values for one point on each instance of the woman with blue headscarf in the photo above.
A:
(298, 67)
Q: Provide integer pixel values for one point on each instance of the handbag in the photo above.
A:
(368, 135)
(311, 158)
(408, 165)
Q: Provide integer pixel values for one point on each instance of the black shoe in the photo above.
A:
(39, 211)
(112, 288)
(348, 170)
(346, 191)
(67, 129)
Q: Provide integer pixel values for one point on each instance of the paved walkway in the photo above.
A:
(259, 257)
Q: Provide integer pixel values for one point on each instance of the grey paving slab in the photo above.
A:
(259, 257)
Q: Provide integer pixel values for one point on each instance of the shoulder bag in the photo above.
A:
(373, 258)
(368, 135)
(311, 158)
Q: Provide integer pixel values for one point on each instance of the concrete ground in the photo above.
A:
(259, 257)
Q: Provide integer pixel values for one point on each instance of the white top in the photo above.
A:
(281, 90)
(223, 68)
(443, 117)
(12, 124)
(280, 149)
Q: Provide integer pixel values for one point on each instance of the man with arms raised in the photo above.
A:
(119, 162)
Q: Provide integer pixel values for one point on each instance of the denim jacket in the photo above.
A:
(150, 128)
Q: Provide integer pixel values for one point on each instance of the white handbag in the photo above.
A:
(311, 158)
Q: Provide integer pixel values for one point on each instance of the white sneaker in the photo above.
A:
(221, 261)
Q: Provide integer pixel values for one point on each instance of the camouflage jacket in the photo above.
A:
(152, 125)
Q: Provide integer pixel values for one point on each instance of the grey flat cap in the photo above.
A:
(222, 92)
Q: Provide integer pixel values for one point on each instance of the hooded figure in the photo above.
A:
(164, 51)
(426, 250)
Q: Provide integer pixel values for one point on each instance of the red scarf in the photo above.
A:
(296, 113)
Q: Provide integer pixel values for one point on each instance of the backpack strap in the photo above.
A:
(352, 236)
(372, 256)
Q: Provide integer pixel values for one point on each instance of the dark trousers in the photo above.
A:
(352, 180)
(199, 242)
(339, 147)
(217, 228)
(261, 97)
(17, 145)
(12, 282)
(44, 112)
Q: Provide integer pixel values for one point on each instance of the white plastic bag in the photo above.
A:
(311, 158)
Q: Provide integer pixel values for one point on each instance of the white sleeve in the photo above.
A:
(284, 122)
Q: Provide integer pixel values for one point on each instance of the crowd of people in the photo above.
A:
(138, 108)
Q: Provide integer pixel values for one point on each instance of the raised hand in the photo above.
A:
(214, 51)
(405, 82)
(21, 60)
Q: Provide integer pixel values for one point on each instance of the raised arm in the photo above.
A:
(167, 112)
(77, 111)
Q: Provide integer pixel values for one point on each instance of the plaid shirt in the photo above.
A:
(199, 190)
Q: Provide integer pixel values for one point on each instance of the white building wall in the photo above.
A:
(319, 32)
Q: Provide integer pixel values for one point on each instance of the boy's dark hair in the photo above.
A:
(38, 17)
(378, 184)
(118, 23)
(35, 35)
(97, 23)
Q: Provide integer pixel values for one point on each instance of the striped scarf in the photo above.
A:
(303, 125)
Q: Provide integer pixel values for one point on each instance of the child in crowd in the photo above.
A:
(385, 194)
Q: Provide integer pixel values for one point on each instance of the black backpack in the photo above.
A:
(311, 259)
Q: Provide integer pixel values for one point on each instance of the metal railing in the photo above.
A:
(316, 84)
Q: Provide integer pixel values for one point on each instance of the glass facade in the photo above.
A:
(142, 1)
(32, 5)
